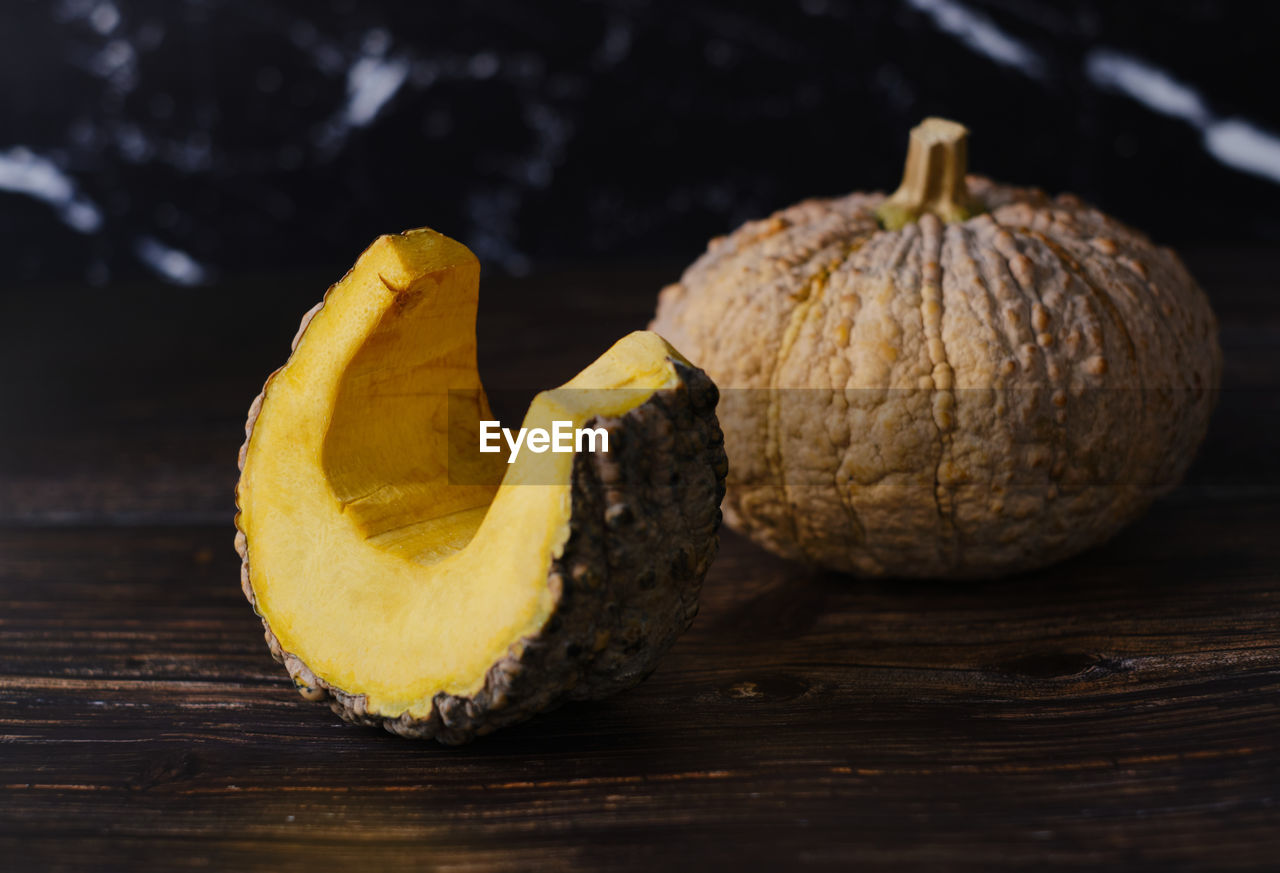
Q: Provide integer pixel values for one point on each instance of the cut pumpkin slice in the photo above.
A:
(440, 591)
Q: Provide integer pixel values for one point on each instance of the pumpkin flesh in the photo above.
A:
(367, 562)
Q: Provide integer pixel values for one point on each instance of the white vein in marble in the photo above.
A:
(982, 35)
(1235, 142)
(24, 172)
(371, 83)
(1149, 85)
(1239, 144)
(169, 263)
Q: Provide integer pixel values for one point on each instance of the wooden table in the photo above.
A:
(1120, 710)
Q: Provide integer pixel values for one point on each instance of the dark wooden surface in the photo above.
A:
(1121, 710)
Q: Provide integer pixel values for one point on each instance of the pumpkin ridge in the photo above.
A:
(1145, 297)
(783, 259)
(1149, 293)
(942, 399)
(994, 278)
(1144, 284)
(964, 275)
(1061, 441)
(1074, 268)
(1011, 251)
(846, 499)
(815, 284)
(1141, 286)
(1141, 292)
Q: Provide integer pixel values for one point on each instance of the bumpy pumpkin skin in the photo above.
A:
(643, 534)
(965, 399)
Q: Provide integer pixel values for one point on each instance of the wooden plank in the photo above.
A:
(1118, 708)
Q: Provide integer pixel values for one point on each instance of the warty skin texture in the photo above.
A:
(946, 400)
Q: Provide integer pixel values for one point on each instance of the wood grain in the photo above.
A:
(1118, 711)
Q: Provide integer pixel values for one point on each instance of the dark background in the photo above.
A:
(197, 139)
(180, 181)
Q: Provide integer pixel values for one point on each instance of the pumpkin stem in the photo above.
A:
(933, 181)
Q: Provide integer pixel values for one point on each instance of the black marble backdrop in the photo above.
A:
(196, 139)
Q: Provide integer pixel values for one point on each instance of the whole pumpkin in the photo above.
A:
(962, 379)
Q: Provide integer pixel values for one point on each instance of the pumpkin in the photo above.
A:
(962, 379)
(398, 578)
